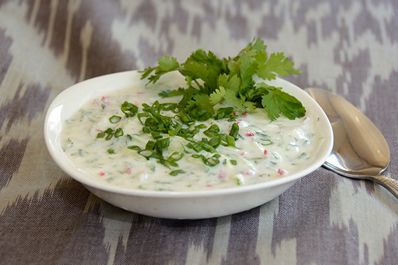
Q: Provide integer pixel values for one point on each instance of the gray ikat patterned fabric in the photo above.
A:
(349, 47)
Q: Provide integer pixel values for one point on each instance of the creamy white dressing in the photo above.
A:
(264, 150)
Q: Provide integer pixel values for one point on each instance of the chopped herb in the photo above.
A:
(212, 81)
(176, 172)
(216, 88)
(107, 134)
(172, 93)
(238, 181)
(266, 142)
(234, 131)
(229, 140)
(212, 130)
(110, 151)
(118, 132)
(101, 135)
(210, 161)
(224, 113)
(129, 109)
(115, 119)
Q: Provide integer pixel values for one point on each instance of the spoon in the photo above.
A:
(360, 150)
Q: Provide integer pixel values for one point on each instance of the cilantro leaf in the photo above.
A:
(200, 108)
(228, 92)
(228, 81)
(248, 67)
(165, 64)
(232, 100)
(217, 96)
(277, 102)
(277, 64)
(204, 66)
(257, 45)
(172, 93)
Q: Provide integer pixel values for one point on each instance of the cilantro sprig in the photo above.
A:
(213, 82)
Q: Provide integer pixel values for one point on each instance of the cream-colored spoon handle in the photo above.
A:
(388, 183)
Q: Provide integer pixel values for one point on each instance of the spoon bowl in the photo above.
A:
(360, 150)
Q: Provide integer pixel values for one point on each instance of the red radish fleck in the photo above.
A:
(265, 152)
(250, 134)
(101, 173)
(249, 172)
(243, 153)
(281, 172)
(128, 170)
(222, 175)
(209, 185)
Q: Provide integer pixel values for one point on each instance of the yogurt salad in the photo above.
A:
(225, 127)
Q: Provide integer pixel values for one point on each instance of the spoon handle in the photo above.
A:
(388, 183)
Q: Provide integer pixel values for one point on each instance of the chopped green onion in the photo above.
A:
(215, 141)
(224, 113)
(234, 132)
(212, 130)
(101, 135)
(230, 140)
(176, 172)
(114, 119)
(134, 147)
(110, 151)
(118, 132)
(129, 109)
(175, 156)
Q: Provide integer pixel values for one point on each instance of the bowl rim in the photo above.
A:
(80, 176)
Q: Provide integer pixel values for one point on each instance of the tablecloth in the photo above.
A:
(349, 47)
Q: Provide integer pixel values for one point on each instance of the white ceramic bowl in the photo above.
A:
(179, 205)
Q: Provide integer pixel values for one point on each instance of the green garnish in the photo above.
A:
(225, 113)
(216, 88)
(107, 134)
(212, 130)
(110, 151)
(114, 119)
(129, 109)
(209, 161)
(234, 131)
(101, 135)
(176, 172)
(172, 93)
(213, 81)
(118, 132)
(154, 149)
